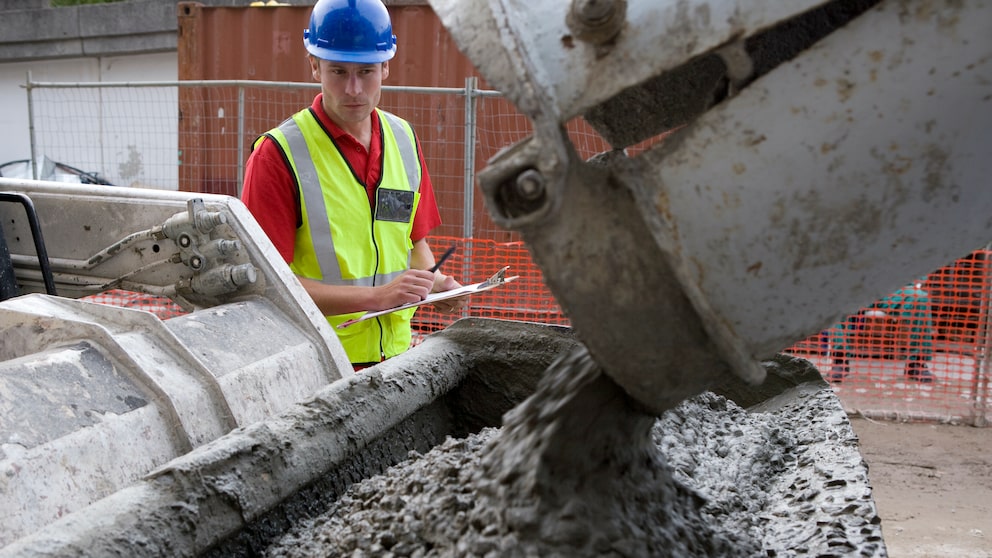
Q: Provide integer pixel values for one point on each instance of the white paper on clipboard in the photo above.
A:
(499, 278)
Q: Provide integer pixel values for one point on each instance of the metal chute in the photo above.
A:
(826, 152)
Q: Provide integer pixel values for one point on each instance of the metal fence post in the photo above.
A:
(468, 203)
(31, 136)
(984, 369)
(468, 221)
(241, 138)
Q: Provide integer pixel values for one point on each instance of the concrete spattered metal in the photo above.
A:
(787, 195)
(831, 180)
(95, 396)
(472, 373)
(240, 492)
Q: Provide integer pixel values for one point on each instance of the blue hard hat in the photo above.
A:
(350, 31)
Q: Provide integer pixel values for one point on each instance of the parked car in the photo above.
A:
(51, 170)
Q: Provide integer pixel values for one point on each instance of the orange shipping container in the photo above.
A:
(266, 44)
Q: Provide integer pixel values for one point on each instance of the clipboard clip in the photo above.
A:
(496, 279)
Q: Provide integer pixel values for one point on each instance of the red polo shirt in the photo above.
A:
(270, 192)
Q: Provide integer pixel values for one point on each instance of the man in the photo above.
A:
(906, 314)
(342, 190)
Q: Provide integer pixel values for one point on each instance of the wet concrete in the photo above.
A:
(578, 470)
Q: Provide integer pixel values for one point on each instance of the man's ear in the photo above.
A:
(385, 69)
(314, 66)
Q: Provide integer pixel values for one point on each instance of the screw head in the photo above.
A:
(596, 21)
(530, 184)
(593, 11)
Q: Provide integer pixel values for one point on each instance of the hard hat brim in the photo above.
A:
(367, 57)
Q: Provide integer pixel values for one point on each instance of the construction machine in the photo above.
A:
(824, 152)
(774, 166)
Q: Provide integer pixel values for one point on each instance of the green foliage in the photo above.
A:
(61, 3)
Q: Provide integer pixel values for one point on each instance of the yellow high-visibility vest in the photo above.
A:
(344, 241)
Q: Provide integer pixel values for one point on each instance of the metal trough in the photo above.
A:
(236, 494)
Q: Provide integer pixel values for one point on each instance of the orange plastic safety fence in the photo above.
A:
(524, 299)
(916, 354)
(161, 306)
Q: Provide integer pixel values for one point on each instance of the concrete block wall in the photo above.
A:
(39, 33)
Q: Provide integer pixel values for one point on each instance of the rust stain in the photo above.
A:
(876, 56)
(827, 148)
(946, 15)
(663, 207)
(700, 270)
(845, 88)
(935, 161)
(739, 168)
(755, 140)
(754, 268)
(820, 82)
(900, 165)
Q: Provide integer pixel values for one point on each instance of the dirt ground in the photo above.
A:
(932, 485)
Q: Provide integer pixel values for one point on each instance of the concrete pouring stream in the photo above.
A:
(504, 439)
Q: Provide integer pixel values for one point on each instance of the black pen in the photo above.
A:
(444, 256)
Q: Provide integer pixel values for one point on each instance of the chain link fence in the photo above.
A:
(196, 135)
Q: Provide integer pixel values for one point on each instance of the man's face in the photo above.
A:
(351, 91)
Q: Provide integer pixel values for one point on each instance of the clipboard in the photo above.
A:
(496, 280)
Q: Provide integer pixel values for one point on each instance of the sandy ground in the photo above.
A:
(932, 485)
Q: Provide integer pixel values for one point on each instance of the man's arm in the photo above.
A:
(412, 286)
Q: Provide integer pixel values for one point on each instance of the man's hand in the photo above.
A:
(412, 286)
(446, 283)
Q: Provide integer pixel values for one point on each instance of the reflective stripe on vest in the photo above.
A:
(313, 197)
(408, 150)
